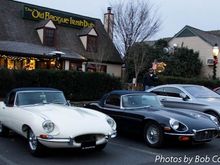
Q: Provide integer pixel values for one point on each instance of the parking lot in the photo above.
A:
(124, 149)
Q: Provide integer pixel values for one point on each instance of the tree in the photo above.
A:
(134, 22)
(183, 62)
(138, 59)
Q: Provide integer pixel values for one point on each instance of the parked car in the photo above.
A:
(217, 90)
(188, 96)
(43, 116)
(142, 112)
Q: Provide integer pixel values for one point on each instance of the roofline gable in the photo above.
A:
(195, 33)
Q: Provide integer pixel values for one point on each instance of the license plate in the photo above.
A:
(88, 145)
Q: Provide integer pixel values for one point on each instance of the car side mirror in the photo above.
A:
(184, 96)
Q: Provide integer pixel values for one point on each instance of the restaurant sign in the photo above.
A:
(58, 17)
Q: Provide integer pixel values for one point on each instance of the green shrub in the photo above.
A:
(76, 86)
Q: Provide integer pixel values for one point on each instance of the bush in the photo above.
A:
(76, 86)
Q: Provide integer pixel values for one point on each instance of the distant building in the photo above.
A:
(34, 37)
(202, 42)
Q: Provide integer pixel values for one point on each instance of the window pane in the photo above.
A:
(49, 36)
(92, 44)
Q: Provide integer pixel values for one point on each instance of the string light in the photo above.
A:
(28, 63)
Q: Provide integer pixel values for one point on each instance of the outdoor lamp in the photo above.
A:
(215, 52)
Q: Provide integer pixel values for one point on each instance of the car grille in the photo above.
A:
(205, 135)
(88, 138)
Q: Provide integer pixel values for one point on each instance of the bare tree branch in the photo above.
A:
(134, 22)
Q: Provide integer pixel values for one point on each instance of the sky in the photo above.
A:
(173, 14)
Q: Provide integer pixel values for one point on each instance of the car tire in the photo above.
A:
(100, 147)
(34, 146)
(4, 131)
(153, 135)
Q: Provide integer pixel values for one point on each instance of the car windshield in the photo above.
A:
(201, 92)
(140, 100)
(40, 97)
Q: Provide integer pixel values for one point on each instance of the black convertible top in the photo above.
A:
(125, 92)
(33, 89)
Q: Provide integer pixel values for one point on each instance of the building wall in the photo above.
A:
(204, 49)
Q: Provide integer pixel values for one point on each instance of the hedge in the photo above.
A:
(76, 86)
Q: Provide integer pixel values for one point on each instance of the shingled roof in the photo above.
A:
(26, 49)
(22, 31)
(211, 37)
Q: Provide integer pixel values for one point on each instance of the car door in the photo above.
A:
(13, 115)
(171, 98)
(112, 107)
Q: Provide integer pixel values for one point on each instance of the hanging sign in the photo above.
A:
(62, 18)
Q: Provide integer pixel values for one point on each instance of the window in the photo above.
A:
(113, 100)
(159, 91)
(172, 92)
(49, 36)
(91, 43)
(2, 62)
(75, 66)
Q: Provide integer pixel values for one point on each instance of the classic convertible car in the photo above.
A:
(43, 116)
(142, 112)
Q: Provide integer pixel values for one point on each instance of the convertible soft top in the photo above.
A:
(33, 89)
(125, 92)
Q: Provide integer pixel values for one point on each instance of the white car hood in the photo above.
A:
(72, 120)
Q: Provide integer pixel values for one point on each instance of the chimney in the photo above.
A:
(108, 22)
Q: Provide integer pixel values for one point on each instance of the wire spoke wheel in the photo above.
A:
(153, 135)
(1, 127)
(35, 147)
(32, 140)
(4, 131)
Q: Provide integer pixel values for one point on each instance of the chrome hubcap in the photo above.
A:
(1, 126)
(32, 141)
(153, 135)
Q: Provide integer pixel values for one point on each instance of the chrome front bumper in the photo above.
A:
(199, 135)
(53, 142)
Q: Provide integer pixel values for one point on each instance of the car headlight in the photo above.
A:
(178, 126)
(111, 122)
(48, 126)
(214, 119)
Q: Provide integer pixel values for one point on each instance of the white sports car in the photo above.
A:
(44, 117)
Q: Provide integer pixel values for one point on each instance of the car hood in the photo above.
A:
(190, 118)
(72, 120)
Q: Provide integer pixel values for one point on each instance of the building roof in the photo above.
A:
(15, 28)
(85, 31)
(42, 23)
(211, 37)
(35, 49)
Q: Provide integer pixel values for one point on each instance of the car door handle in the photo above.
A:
(163, 99)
